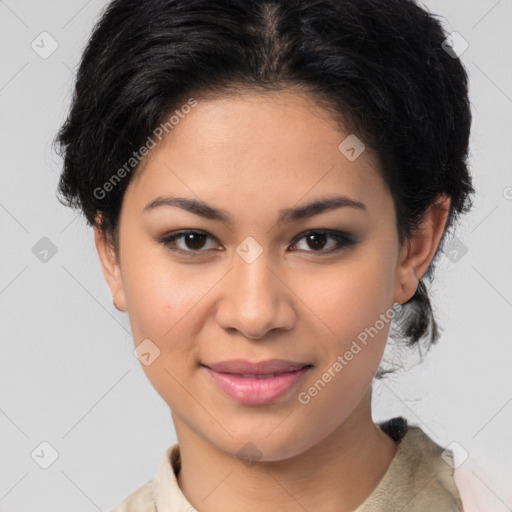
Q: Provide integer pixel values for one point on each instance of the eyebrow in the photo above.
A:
(285, 215)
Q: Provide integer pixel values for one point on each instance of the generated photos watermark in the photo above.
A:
(137, 156)
(304, 397)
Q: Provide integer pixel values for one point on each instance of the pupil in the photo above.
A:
(314, 236)
(189, 240)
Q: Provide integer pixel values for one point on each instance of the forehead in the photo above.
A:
(270, 148)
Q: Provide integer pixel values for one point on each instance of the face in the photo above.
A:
(254, 284)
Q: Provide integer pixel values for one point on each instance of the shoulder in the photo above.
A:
(140, 500)
(420, 477)
(427, 472)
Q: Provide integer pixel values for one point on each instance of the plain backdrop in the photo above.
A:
(69, 378)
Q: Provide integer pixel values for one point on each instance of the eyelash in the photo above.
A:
(343, 240)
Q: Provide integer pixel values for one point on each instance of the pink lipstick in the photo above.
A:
(257, 383)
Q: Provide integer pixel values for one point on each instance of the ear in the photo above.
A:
(109, 265)
(418, 252)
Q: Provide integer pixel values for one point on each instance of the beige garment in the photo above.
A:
(418, 479)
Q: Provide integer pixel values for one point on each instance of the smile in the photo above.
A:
(257, 389)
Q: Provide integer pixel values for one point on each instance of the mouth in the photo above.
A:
(260, 384)
(256, 376)
(270, 367)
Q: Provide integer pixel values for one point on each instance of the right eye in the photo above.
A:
(192, 242)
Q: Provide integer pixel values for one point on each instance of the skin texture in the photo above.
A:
(254, 155)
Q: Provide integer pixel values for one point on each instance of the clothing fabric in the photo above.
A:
(420, 478)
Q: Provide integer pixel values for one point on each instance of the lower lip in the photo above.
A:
(254, 391)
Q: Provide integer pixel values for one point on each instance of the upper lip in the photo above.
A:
(242, 366)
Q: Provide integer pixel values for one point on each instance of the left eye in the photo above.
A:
(316, 240)
(194, 241)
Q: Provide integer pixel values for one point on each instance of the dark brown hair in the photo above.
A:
(378, 65)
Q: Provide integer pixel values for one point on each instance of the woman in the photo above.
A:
(269, 184)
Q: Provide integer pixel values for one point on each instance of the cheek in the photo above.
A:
(159, 293)
(162, 298)
(351, 296)
(353, 302)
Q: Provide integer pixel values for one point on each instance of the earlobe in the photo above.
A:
(418, 252)
(110, 266)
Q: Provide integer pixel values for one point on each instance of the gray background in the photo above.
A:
(68, 373)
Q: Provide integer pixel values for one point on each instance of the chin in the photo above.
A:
(261, 448)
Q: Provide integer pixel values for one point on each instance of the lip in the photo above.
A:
(265, 382)
(244, 367)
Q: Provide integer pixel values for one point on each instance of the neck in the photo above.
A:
(339, 472)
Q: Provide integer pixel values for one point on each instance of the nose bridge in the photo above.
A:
(252, 274)
(255, 300)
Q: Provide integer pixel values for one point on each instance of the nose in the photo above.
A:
(256, 299)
